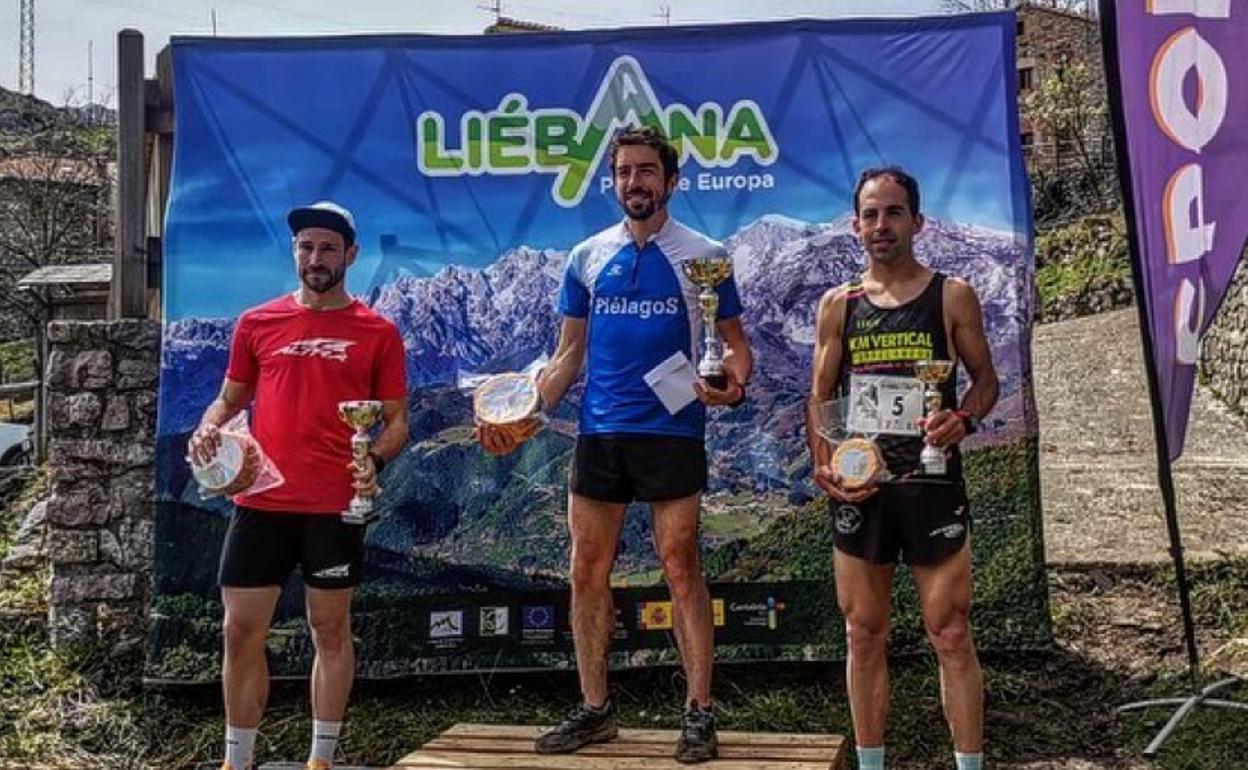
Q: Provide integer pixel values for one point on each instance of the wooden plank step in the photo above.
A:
(510, 747)
(529, 732)
(622, 747)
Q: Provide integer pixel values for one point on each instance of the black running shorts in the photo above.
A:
(923, 521)
(623, 467)
(262, 548)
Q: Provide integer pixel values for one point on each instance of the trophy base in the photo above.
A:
(360, 513)
(933, 461)
(716, 381)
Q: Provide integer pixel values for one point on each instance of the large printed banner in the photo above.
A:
(1182, 114)
(473, 164)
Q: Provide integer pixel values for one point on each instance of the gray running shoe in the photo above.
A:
(698, 741)
(581, 727)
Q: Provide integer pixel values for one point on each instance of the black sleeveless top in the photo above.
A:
(888, 341)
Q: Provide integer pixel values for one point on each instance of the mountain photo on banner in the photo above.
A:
(473, 166)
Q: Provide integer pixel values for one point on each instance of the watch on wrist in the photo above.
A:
(969, 421)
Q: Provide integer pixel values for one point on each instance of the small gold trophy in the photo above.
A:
(932, 373)
(360, 415)
(709, 272)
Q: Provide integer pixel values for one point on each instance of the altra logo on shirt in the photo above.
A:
(318, 347)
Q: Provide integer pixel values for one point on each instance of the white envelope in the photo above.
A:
(672, 381)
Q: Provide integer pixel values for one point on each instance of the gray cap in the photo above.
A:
(326, 214)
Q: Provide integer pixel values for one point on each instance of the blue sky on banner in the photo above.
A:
(264, 125)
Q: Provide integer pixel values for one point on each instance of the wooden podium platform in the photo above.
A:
(510, 747)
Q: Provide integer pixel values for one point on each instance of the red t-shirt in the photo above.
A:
(302, 363)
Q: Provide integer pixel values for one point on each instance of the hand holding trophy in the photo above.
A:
(856, 460)
(709, 272)
(508, 408)
(932, 374)
(361, 415)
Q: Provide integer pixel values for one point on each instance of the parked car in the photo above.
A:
(15, 444)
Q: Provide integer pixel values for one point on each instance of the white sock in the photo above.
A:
(969, 761)
(871, 759)
(240, 746)
(324, 741)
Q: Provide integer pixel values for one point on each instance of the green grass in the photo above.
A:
(82, 708)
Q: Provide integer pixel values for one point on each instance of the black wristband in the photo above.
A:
(739, 401)
(970, 423)
(379, 462)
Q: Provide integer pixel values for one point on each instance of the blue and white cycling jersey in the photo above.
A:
(640, 309)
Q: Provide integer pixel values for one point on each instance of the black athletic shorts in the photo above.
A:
(925, 522)
(623, 467)
(262, 548)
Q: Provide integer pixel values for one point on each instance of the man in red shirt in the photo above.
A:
(292, 360)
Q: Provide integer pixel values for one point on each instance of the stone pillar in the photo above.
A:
(101, 379)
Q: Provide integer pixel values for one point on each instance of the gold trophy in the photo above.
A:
(360, 415)
(709, 272)
(932, 373)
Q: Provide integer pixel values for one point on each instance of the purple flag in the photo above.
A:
(1180, 105)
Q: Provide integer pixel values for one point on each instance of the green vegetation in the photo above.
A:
(1083, 268)
(17, 364)
(82, 707)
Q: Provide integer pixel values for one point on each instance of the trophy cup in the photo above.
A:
(360, 415)
(709, 272)
(932, 374)
(856, 459)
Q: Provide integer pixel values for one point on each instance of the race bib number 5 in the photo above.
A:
(885, 404)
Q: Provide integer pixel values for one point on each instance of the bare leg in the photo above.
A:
(864, 591)
(333, 669)
(945, 596)
(676, 540)
(245, 670)
(595, 530)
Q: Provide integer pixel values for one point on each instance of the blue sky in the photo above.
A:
(64, 28)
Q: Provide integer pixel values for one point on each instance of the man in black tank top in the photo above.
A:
(869, 334)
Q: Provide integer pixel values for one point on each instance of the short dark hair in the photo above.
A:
(647, 136)
(898, 175)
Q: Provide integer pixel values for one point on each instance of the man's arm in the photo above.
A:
(565, 365)
(971, 345)
(829, 346)
(826, 369)
(232, 399)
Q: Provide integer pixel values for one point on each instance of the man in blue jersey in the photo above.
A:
(626, 308)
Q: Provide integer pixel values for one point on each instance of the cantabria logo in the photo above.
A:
(513, 139)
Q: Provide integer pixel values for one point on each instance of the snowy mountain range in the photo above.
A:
(502, 316)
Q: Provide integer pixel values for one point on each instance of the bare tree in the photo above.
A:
(54, 208)
(971, 6)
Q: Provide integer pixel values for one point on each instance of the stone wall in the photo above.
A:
(1224, 353)
(101, 379)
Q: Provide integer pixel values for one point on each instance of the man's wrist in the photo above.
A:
(739, 400)
(970, 423)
